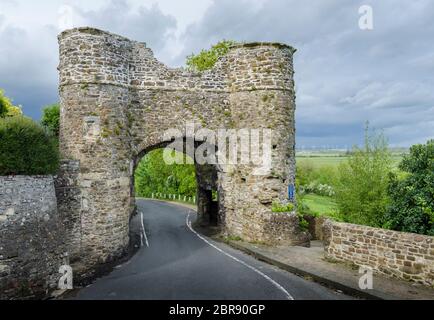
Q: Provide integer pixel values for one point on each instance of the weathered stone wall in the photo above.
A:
(31, 237)
(117, 100)
(402, 255)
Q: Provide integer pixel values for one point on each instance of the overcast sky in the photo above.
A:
(344, 75)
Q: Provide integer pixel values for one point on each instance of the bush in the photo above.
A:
(51, 118)
(26, 148)
(361, 193)
(319, 189)
(206, 59)
(319, 180)
(412, 205)
(281, 208)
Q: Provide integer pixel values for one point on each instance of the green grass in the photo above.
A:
(319, 205)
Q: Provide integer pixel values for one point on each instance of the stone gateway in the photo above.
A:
(116, 102)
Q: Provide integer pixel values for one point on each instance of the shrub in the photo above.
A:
(319, 180)
(279, 208)
(361, 193)
(319, 189)
(412, 205)
(304, 173)
(51, 118)
(26, 148)
(206, 59)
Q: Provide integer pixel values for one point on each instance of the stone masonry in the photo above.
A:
(31, 237)
(116, 102)
(402, 255)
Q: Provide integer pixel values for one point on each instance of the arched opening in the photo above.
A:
(161, 173)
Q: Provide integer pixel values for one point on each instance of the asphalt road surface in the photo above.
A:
(175, 263)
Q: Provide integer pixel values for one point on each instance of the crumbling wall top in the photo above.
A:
(92, 56)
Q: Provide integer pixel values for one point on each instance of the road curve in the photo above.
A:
(180, 264)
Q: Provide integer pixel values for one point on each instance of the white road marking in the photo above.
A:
(143, 234)
(278, 286)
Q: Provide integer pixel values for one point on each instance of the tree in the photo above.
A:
(51, 119)
(153, 175)
(362, 187)
(412, 205)
(7, 109)
(206, 59)
(26, 148)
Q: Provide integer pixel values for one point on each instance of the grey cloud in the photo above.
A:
(28, 67)
(29, 58)
(344, 76)
(148, 25)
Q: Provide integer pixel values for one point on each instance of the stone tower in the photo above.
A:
(117, 100)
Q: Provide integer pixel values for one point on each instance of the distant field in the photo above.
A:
(318, 161)
(321, 161)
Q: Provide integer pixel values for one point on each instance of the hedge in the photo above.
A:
(26, 148)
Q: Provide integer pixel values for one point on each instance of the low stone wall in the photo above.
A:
(31, 237)
(283, 228)
(402, 255)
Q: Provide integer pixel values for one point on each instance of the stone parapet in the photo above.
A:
(399, 254)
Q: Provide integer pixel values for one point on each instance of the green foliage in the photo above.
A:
(26, 148)
(7, 109)
(3, 107)
(233, 239)
(361, 192)
(304, 224)
(412, 206)
(320, 180)
(51, 119)
(279, 208)
(206, 59)
(153, 175)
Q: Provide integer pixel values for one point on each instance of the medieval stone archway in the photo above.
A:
(117, 100)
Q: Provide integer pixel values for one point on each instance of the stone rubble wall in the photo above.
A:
(401, 255)
(32, 237)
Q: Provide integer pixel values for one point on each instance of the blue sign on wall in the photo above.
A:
(291, 192)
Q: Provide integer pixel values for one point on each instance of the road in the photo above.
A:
(180, 264)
